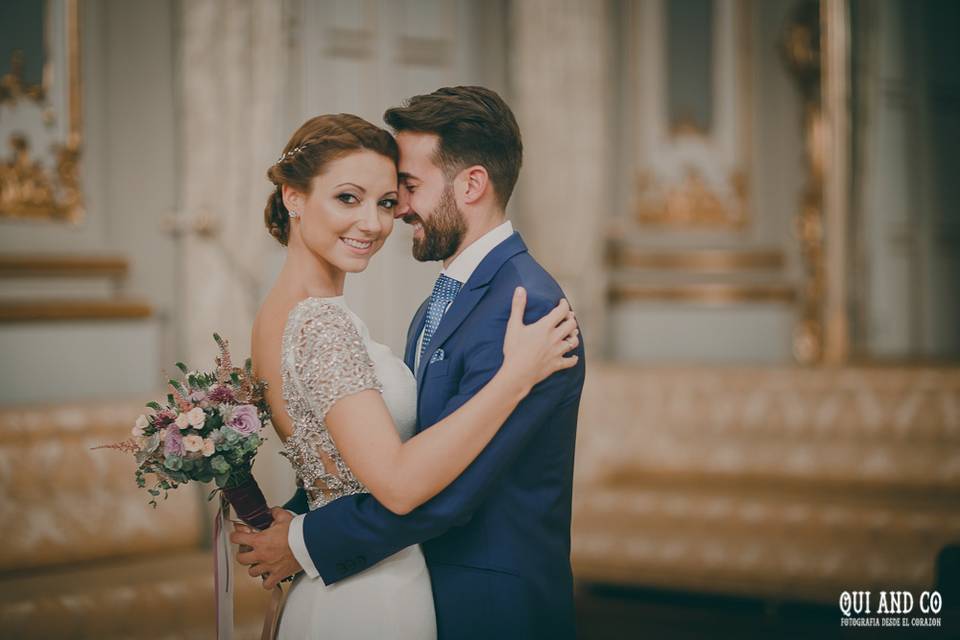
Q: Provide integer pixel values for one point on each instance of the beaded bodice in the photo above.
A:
(327, 355)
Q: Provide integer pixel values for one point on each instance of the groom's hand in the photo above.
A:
(269, 555)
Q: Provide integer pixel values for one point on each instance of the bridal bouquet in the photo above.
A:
(208, 430)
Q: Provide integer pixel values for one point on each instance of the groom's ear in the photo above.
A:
(476, 183)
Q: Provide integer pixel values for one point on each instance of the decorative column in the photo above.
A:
(561, 88)
(232, 78)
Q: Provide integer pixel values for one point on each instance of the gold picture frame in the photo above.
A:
(41, 125)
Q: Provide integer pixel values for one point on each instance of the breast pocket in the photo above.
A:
(437, 369)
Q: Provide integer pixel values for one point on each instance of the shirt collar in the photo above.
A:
(466, 263)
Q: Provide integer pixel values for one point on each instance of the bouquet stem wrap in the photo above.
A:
(249, 504)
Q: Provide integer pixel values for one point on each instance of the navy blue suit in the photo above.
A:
(496, 540)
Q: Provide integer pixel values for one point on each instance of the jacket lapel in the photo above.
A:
(413, 334)
(471, 293)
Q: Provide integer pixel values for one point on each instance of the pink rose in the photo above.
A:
(209, 448)
(192, 443)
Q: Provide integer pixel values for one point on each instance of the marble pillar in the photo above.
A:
(561, 89)
(232, 71)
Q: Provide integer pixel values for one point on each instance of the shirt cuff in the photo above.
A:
(299, 546)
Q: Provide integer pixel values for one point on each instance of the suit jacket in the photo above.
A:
(496, 540)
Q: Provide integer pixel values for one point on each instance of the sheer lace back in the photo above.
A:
(324, 359)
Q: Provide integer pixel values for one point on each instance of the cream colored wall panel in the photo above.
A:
(53, 362)
(660, 332)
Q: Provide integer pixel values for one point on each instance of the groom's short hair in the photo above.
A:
(475, 127)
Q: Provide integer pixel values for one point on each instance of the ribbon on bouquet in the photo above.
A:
(223, 582)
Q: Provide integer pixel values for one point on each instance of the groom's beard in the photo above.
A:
(443, 231)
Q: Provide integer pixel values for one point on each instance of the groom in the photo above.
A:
(497, 540)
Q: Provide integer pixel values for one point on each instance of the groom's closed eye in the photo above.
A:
(407, 181)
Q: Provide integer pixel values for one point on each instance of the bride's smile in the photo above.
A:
(360, 246)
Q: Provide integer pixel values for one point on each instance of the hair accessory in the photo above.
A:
(290, 153)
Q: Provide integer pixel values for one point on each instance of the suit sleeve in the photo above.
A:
(355, 531)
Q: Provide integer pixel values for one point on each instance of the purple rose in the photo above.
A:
(244, 420)
(173, 442)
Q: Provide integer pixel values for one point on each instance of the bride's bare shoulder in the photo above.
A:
(269, 324)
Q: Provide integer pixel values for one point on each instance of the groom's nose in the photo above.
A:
(403, 205)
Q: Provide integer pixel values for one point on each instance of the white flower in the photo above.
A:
(192, 443)
(208, 447)
(139, 425)
(196, 416)
(182, 421)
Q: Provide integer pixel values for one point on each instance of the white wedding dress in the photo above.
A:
(328, 354)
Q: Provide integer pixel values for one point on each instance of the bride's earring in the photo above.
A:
(293, 214)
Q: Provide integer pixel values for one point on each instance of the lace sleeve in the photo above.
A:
(330, 359)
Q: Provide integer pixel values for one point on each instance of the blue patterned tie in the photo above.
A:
(444, 291)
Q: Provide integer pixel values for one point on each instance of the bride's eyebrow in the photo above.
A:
(350, 184)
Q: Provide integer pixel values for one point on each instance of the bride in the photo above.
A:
(344, 405)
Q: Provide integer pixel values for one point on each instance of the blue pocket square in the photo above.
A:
(437, 356)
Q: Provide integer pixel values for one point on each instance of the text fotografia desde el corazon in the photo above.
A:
(893, 609)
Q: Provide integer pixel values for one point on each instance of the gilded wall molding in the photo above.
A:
(69, 310)
(692, 202)
(801, 51)
(692, 175)
(40, 170)
(702, 292)
(76, 266)
(697, 260)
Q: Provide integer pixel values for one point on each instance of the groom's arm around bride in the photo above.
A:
(497, 539)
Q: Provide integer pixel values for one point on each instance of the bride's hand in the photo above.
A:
(533, 352)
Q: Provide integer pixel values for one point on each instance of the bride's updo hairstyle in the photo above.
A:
(317, 143)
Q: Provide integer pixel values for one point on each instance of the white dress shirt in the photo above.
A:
(460, 270)
(466, 263)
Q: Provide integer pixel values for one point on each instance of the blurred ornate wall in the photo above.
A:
(677, 181)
